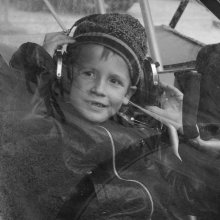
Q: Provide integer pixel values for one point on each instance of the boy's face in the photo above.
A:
(101, 82)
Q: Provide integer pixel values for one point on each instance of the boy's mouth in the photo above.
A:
(98, 104)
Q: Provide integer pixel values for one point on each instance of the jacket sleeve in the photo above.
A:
(193, 183)
(33, 60)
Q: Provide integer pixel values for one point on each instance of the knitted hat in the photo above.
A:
(121, 33)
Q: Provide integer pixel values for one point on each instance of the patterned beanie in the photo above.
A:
(121, 33)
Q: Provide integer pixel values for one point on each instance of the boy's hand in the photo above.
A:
(54, 40)
(171, 103)
(211, 146)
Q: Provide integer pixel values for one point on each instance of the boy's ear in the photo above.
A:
(129, 94)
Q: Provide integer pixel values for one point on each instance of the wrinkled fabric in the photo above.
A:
(208, 65)
(43, 163)
(204, 96)
(14, 97)
(41, 166)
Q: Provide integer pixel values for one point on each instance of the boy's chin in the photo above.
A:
(96, 118)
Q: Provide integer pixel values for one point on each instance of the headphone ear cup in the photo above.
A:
(64, 57)
(152, 89)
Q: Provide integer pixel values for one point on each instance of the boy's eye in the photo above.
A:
(116, 81)
(88, 74)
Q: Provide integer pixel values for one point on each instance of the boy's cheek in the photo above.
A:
(117, 105)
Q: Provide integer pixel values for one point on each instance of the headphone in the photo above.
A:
(148, 83)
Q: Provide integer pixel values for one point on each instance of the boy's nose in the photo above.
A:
(98, 87)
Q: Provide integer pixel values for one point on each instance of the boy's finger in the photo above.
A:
(56, 36)
(162, 116)
(62, 42)
(51, 35)
(168, 87)
(156, 110)
(171, 89)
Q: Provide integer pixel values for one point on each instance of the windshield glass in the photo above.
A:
(115, 123)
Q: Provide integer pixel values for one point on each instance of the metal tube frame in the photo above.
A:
(100, 6)
(53, 12)
(178, 13)
(149, 27)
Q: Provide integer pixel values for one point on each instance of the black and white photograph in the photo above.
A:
(109, 109)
